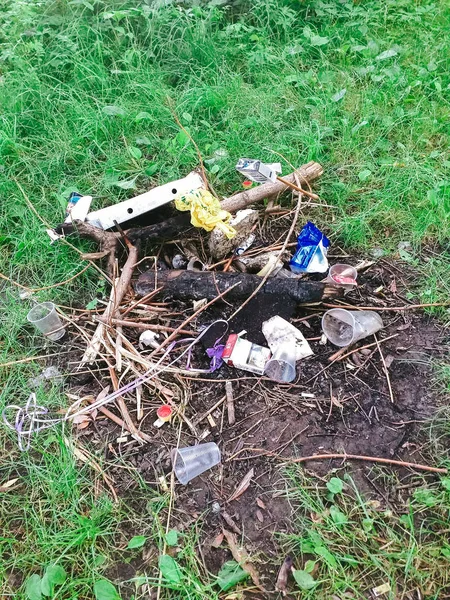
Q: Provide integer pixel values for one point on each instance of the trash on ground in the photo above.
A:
(220, 245)
(342, 275)
(205, 211)
(260, 264)
(144, 203)
(242, 354)
(246, 244)
(257, 170)
(192, 461)
(50, 373)
(344, 327)
(281, 365)
(149, 338)
(45, 318)
(278, 332)
(77, 207)
(311, 253)
(382, 589)
(164, 414)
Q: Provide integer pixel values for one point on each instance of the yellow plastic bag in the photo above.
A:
(205, 211)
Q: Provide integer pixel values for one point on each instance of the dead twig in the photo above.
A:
(144, 326)
(339, 356)
(230, 403)
(375, 459)
(386, 371)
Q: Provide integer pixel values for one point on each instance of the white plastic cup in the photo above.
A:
(281, 366)
(344, 327)
(45, 318)
(339, 271)
(192, 461)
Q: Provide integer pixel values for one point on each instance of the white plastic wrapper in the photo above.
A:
(278, 332)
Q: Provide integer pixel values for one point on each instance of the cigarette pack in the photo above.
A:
(242, 354)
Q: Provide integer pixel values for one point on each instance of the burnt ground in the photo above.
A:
(343, 406)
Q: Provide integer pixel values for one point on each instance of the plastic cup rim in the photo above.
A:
(41, 304)
(353, 325)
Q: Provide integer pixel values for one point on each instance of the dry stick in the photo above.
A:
(339, 356)
(386, 308)
(47, 287)
(112, 416)
(376, 459)
(209, 411)
(280, 253)
(298, 189)
(386, 372)
(230, 403)
(145, 326)
(12, 363)
(131, 427)
(149, 296)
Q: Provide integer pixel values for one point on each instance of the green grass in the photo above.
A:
(350, 545)
(85, 95)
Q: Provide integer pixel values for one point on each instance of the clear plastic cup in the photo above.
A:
(192, 461)
(281, 366)
(344, 327)
(46, 319)
(343, 276)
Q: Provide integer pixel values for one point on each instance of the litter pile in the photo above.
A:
(219, 293)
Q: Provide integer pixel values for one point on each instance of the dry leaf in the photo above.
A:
(77, 419)
(103, 393)
(260, 516)
(241, 557)
(282, 579)
(393, 286)
(229, 521)
(8, 485)
(260, 503)
(404, 327)
(243, 486)
(217, 541)
(83, 425)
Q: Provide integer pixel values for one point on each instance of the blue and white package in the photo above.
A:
(311, 253)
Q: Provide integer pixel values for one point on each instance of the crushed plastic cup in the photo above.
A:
(45, 318)
(344, 327)
(281, 366)
(342, 275)
(192, 461)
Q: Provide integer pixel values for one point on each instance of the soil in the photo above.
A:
(343, 406)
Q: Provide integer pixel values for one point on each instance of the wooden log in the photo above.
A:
(171, 228)
(191, 285)
(305, 174)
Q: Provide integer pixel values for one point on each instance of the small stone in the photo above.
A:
(215, 508)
